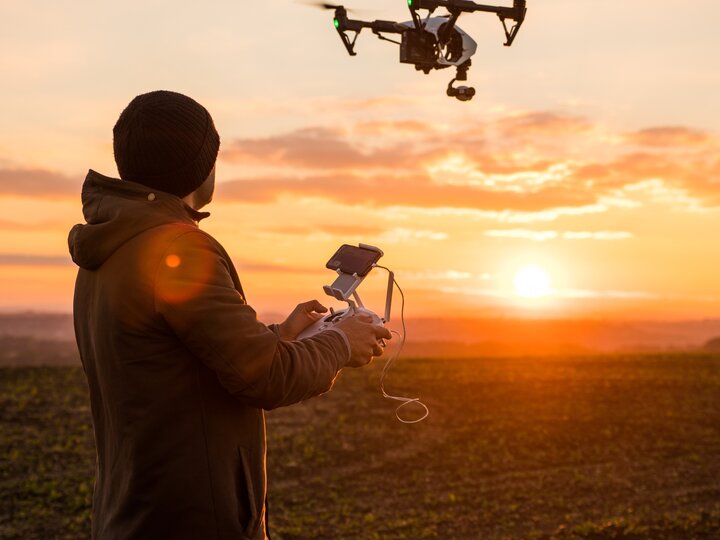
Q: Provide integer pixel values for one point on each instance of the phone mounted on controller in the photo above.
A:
(352, 264)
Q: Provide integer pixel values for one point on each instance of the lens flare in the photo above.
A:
(173, 261)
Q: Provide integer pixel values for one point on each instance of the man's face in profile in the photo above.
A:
(204, 194)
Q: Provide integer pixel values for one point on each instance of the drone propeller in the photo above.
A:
(323, 5)
(318, 5)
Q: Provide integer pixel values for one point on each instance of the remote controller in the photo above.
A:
(352, 265)
(334, 317)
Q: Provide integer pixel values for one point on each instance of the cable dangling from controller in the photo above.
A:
(405, 400)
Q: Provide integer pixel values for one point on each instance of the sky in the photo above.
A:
(583, 180)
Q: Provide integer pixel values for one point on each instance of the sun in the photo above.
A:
(532, 282)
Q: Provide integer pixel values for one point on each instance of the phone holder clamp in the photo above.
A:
(345, 286)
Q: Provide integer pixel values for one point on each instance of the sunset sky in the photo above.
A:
(583, 180)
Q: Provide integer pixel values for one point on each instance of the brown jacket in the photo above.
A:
(179, 370)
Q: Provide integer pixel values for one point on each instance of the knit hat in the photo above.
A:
(166, 141)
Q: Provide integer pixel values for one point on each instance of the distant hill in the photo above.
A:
(28, 351)
(53, 326)
(544, 336)
(48, 338)
(450, 349)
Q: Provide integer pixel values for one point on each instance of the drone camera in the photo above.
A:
(418, 47)
(462, 93)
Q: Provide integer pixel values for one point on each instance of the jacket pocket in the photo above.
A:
(248, 506)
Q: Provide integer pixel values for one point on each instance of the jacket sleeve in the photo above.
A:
(195, 294)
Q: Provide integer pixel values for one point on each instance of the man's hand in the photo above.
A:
(301, 317)
(363, 337)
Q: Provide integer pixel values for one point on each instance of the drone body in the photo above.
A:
(432, 42)
(458, 50)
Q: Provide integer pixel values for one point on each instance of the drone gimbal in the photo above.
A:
(432, 42)
(462, 93)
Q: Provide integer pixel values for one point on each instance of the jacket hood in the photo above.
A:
(116, 211)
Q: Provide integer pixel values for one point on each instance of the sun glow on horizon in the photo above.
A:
(532, 282)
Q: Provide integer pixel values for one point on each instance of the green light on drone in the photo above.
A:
(337, 23)
(410, 3)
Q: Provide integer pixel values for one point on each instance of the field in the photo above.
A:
(609, 447)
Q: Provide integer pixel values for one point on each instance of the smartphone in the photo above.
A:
(353, 260)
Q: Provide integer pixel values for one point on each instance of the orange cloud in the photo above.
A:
(370, 146)
(516, 163)
(629, 169)
(668, 136)
(33, 226)
(698, 176)
(542, 236)
(15, 259)
(337, 229)
(381, 127)
(542, 123)
(389, 190)
(244, 266)
(313, 148)
(466, 168)
(37, 183)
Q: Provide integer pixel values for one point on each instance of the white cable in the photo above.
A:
(405, 400)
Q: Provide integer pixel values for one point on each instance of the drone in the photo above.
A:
(432, 42)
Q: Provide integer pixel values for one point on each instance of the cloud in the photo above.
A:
(263, 268)
(405, 235)
(14, 259)
(542, 123)
(438, 275)
(36, 226)
(373, 104)
(389, 190)
(609, 294)
(518, 163)
(401, 146)
(37, 183)
(628, 169)
(336, 229)
(695, 176)
(382, 234)
(537, 236)
(542, 236)
(312, 148)
(533, 164)
(559, 293)
(596, 235)
(668, 136)
(383, 127)
(19, 259)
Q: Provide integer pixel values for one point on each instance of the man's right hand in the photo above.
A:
(363, 337)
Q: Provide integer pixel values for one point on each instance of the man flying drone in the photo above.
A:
(178, 366)
(432, 42)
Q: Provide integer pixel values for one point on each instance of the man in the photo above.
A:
(179, 368)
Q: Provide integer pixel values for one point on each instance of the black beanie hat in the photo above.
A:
(166, 141)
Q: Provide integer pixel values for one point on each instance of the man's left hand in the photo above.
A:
(301, 317)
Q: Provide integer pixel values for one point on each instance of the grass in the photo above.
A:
(612, 447)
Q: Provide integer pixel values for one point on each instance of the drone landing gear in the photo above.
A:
(462, 93)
